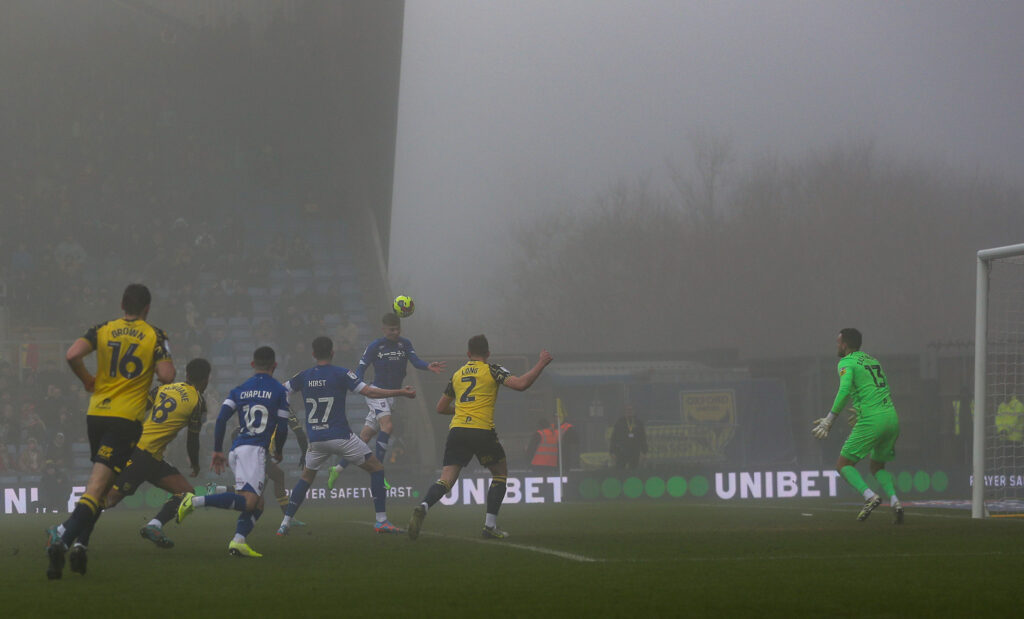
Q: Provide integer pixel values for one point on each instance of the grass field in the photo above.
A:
(806, 559)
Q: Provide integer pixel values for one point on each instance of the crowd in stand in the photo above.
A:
(129, 152)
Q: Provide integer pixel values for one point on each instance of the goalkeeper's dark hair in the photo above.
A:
(323, 348)
(136, 299)
(263, 358)
(478, 346)
(391, 320)
(197, 371)
(852, 337)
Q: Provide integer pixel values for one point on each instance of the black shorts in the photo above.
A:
(112, 439)
(464, 443)
(142, 467)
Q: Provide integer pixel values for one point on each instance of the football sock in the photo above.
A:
(155, 523)
(377, 491)
(491, 520)
(283, 501)
(496, 494)
(85, 511)
(381, 448)
(381, 516)
(227, 500)
(884, 478)
(83, 537)
(342, 464)
(852, 476)
(168, 511)
(298, 495)
(437, 490)
(246, 522)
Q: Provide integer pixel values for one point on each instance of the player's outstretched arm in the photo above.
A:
(522, 383)
(376, 392)
(437, 366)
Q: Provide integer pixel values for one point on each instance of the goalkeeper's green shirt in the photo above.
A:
(863, 384)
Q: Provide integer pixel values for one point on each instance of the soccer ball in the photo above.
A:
(404, 307)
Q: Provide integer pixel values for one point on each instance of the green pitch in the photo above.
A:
(804, 559)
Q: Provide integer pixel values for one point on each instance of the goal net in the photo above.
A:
(999, 383)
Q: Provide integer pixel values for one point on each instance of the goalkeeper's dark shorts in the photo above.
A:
(875, 436)
(464, 443)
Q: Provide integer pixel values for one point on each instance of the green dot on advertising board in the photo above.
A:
(611, 488)
(590, 489)
(921, 481)
(655, 487)
(904, 481)
(633, 487)
(699, 485)
(940, 481)
(676, 486)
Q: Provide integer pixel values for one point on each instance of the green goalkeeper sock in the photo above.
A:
(884, 477)
(852, 476)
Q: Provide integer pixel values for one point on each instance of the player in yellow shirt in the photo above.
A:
(174, 406)
(469, 398)
(129, 351)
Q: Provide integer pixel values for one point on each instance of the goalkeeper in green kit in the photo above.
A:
(875, 424)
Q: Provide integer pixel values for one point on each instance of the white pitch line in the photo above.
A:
(546, 551)
(804, 557)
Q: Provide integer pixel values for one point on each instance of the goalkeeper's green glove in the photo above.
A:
(822, 426)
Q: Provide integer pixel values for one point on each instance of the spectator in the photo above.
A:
(59, 451)
(31, 459)
(629, 441)
(6, 460)
(32, 426)
(54, 489)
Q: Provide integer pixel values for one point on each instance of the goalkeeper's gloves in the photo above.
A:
(822, 426)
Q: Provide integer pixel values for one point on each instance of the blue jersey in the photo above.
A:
(324, 388)
(261, 405)
(388, 360)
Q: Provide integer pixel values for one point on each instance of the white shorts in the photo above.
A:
(352, 449)
(249, 462)
(379, 407)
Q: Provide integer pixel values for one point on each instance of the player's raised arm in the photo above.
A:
(522, 383)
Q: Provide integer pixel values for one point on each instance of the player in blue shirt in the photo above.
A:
(388, 356)
(324, 387)
(261, 406)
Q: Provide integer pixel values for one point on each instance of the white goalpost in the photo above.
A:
(998, 451)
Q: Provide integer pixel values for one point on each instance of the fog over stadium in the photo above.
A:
(512, 110)
(683, 201)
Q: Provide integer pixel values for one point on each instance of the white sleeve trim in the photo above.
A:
(284, 413)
